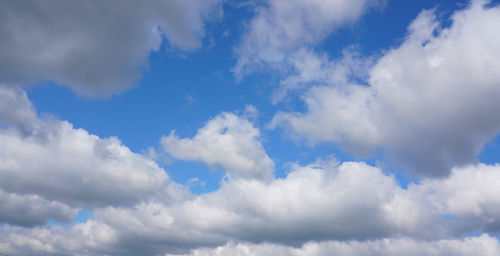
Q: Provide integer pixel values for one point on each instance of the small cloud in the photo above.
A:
(151, 153)
(193, 182)
(190, 100)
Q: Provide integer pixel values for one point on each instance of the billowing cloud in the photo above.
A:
(315, 202)
(483, 245)
(16, 110)
(428, 102)
(470, 195)
(58, 169)
(228, 140)
(82, 239)
(31, 210)
(281, 27)
(49, 163)
(354, 206)
(93, 47)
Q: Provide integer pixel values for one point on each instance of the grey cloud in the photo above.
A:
(469, 195)
(32, 210)
(16, 109)
(93, 47)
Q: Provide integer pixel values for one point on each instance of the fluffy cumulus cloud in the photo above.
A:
(228, 140)
(281, 27)
(51, 164)
(32, 210)
(484, 245)
(16, 109)
(469, 196)
(93, 47)
(428, 102)
(353, 207)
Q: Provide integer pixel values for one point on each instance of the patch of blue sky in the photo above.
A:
(490, 152)
(197, 176)
(83, 216)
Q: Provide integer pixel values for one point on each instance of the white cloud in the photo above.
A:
(94, 47)
(228, 140)
(54, 162)
(312, 203)
(72, 166)
(82, 239)
(308, 68)
(429, 101)
(482, 246)
(281, 27)
(354, 206)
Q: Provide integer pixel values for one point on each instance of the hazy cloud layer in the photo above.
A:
(429, 101)
(93, 47)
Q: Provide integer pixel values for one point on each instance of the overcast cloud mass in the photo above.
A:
(405, 129)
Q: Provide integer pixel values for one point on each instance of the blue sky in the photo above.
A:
(247, 126)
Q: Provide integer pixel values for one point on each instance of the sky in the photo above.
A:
(267, 127)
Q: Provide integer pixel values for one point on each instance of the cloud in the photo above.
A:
(32, 210)
(136, 208)
(353, 206)
(315, 202)
(279, 28)
(483, 245)
(94, 47)
(16, 109)
(428, 102)
(51, 164)
(308, 68)
(470, 196)
(228, 140)
(341, 203)
(82, 239)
